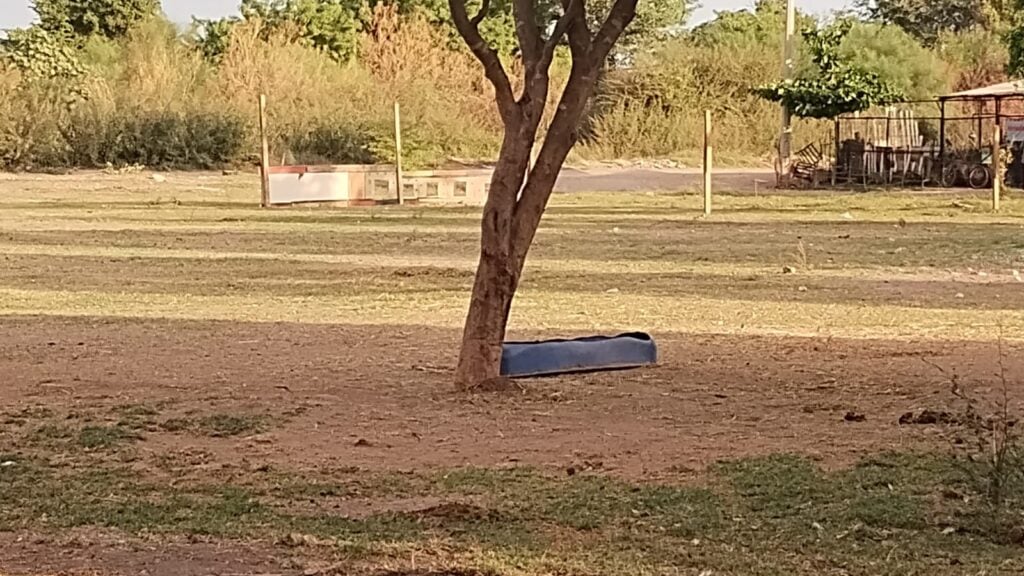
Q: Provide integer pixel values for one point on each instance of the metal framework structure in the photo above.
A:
(904, 148)
(998, 94)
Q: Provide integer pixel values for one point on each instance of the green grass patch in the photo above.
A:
(218, 425)
(51, 433)
(776, 515)
(105, 437)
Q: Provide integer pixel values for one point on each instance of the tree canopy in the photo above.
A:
(39, 53)
(836, 85)
(764, 25)
(927, 20)
(334, 25)
(896, 58)
(84, 18)
(1015, 40)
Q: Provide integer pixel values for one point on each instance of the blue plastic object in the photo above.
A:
(596, 353)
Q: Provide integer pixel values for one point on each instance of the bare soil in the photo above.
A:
(381, 398)
(376, 398)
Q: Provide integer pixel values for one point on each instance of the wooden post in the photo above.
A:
(997, 166)
(264, 155)
(942, 141)
(887, 154)
(838, 150)
(398, 153)
(708, 160)
(788, 70)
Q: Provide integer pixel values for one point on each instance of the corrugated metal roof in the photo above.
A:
(1003, 90)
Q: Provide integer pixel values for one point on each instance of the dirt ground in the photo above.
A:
(204, 310)
(365, 398)
(333, 387)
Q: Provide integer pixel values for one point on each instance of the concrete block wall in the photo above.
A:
(376, 184)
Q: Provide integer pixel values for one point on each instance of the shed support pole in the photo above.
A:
(942, 140)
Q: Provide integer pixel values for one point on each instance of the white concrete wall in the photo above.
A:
(309, 187)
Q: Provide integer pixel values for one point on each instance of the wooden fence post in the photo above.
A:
(264, 155)
(708, 160)
(997, 166)
(838, 151)
(398, 153)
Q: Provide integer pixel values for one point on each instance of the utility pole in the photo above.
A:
(788, 67)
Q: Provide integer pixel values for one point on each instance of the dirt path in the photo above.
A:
(618, 179)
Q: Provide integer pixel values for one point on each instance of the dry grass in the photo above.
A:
(123, 241)
(649, 262)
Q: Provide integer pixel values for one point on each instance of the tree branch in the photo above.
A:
(559, 140)
(588, 56)
(485, 7)
(574, 14)
(469, 29)
(525, 15)
(621, 14)
(578, 32)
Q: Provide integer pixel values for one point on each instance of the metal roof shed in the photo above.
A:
(997, 93)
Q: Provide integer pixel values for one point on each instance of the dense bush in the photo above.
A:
(163, 140)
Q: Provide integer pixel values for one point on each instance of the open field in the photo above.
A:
(192, 385)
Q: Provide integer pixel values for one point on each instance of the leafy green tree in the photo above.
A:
(83, 18)
(898, 60)
(329, 25)
(654, 20)
(1015, 41)
(39, 53)
(212, 37)
(764, 25)
(927, 20)
(836, 86)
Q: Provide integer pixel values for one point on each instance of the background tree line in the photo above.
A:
(112, 82)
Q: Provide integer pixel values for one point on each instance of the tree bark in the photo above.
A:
(486, 322)
(497, 274)
(517, 200)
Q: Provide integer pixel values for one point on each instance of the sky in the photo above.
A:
(16, 13)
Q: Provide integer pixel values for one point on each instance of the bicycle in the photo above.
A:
(967, 168)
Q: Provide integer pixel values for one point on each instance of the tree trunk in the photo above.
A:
(484, 333)
(497, 274)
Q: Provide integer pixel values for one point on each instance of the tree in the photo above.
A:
(84, 18)
(836, 86)
(654, 20)
(975, 58)
(926, 20)
(899, 60)
(329, 25)
(518, 196)
(1015, 40)
(332, 26)
(764, 25)
(212, 37)
(39, 54)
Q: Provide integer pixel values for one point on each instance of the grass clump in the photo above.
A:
(884, 515)
(105, 437)
(219, 425)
